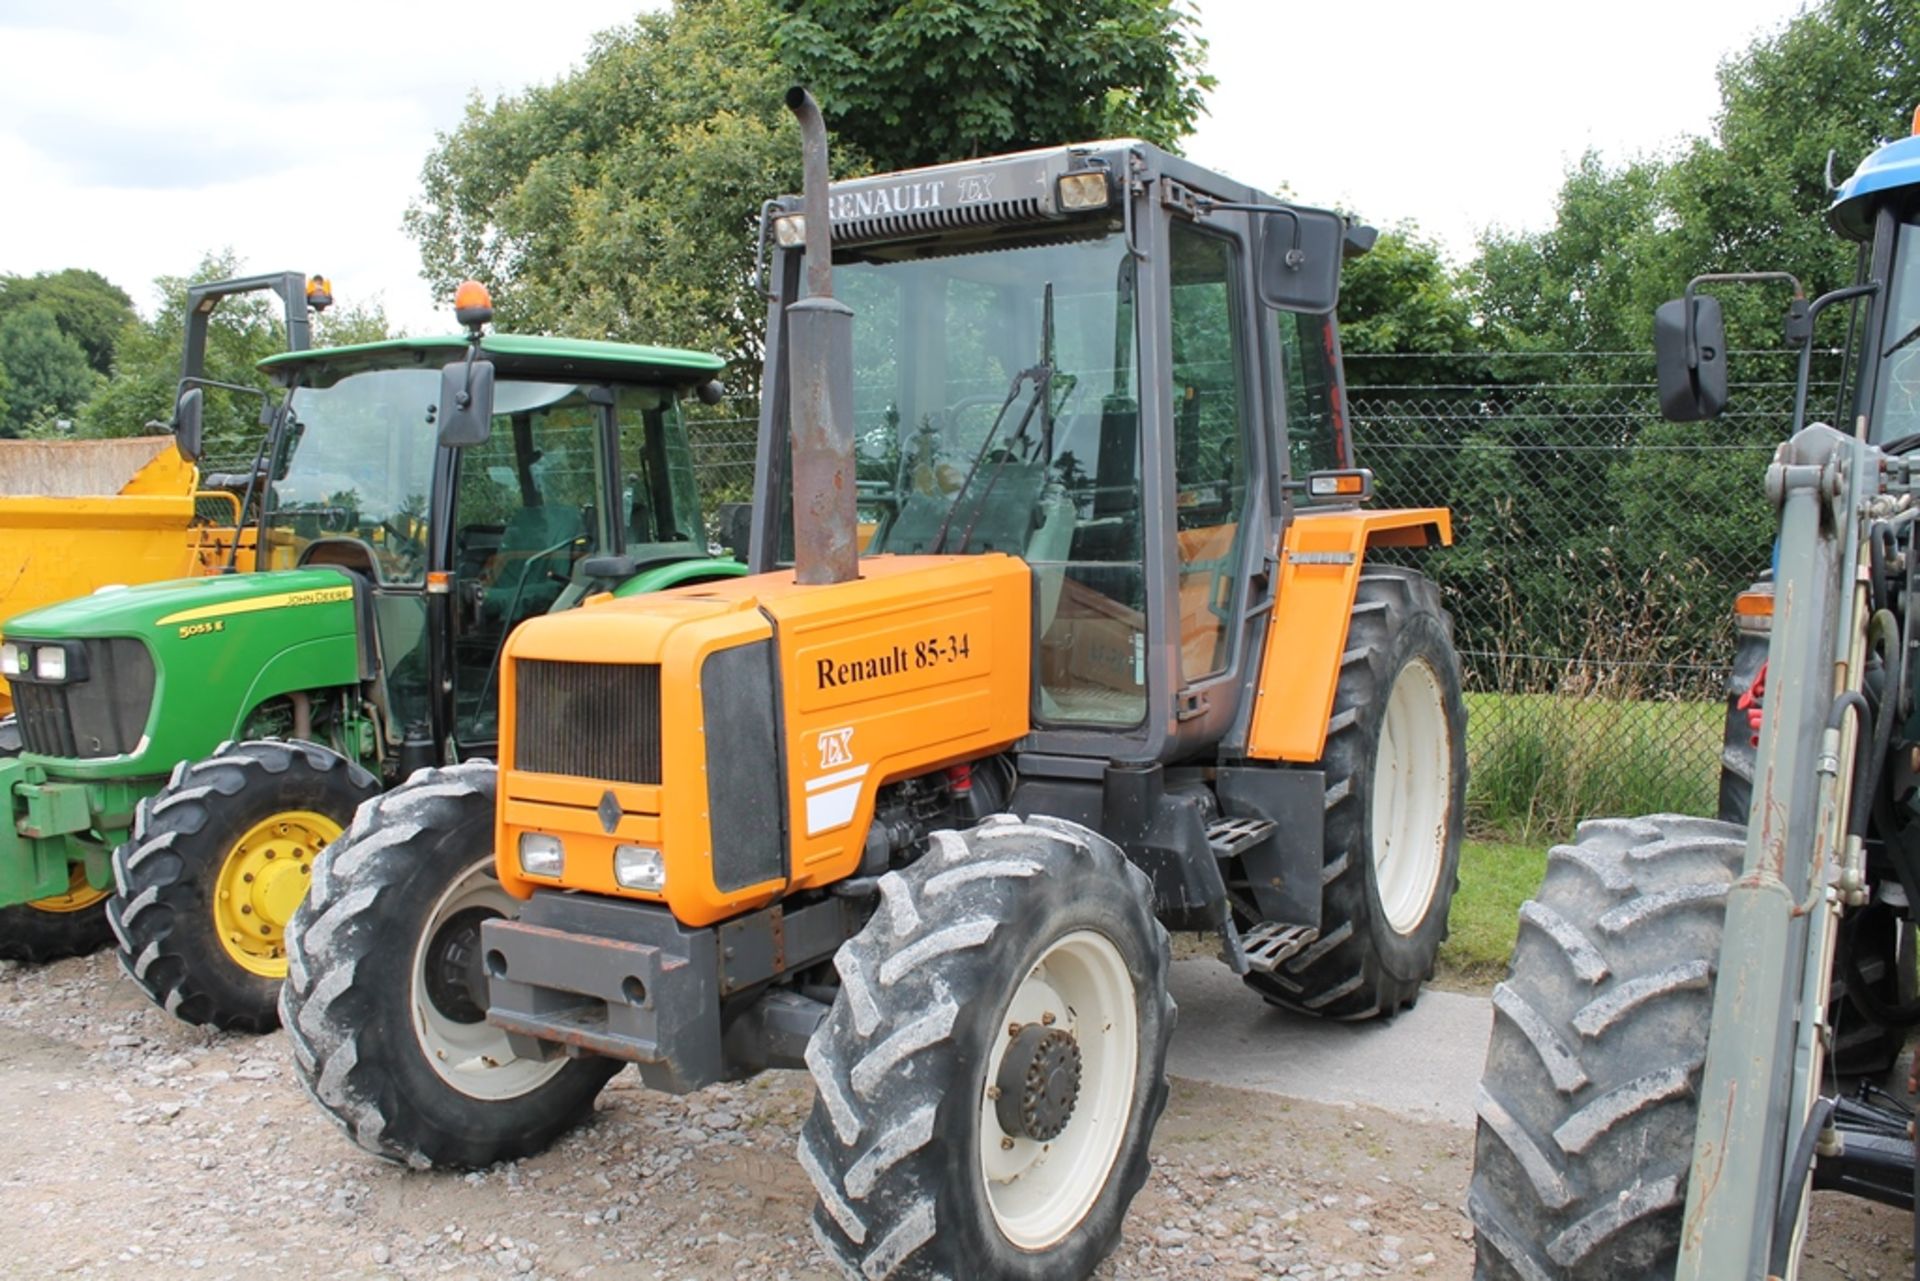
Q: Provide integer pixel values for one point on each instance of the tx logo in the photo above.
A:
(976, 189)
(836, 748)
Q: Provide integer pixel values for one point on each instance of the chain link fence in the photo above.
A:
(1597, 553)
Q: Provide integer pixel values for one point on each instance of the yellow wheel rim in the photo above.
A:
(79, 896)
(262, 881)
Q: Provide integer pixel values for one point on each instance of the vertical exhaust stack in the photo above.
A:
(820, 374)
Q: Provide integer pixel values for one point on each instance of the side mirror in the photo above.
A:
(1690, 358)
(466, 403)
(734, 528)
(1300, 252)
(187, 423)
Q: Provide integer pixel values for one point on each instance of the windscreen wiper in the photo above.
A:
(1042, 377)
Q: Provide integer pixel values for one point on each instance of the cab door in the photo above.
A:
(1216, 527)
(529, 505)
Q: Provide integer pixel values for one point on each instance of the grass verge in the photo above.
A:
(1540, 763)
(1495, 878)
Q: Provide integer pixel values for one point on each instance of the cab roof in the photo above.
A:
(1893, 166)
(513, 355)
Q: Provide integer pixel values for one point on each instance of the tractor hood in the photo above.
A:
(152, 609)
(165, 672)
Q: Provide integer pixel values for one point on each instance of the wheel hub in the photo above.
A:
(455, 977)
(262, 881)
(1038, 1082)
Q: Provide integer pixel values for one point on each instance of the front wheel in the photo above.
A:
(1590, 1098)
(993, 1067)
(385, 1000)
(217, 862)
(70, 924)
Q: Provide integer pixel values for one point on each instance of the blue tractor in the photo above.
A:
(1702, 1014)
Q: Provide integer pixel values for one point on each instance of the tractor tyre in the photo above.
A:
(1588, 1103)
(385, 999)
(1396, 781)
(1737, 752)
(217, 862)
(49, 929)
(995, 1062)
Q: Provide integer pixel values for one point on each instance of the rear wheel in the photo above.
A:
(992, 1070)
(69, 924)
(218, 861)
(385, 999)
(1591, 1092)
(1396, 779)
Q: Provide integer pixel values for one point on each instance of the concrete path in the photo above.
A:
(1424, 1064)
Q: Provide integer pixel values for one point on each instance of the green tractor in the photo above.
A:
(188, 747)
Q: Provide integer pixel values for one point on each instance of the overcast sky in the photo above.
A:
(136, 136)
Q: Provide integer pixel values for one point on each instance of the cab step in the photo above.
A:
(1269, 943)
(1231, 836)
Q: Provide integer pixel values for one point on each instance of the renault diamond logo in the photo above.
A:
(609, 812)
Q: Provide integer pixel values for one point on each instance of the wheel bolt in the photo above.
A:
(1046, 1019)
(993, 1092)
(1006, 1144)
(266, 929)
(269, 853)
(1013, 1029)
(246, 910)
(247, 877)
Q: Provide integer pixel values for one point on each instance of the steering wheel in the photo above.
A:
(578, 542)
(403, 540)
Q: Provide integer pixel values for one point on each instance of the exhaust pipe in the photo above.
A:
(820, 377)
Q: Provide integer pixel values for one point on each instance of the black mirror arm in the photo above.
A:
(1206, 206)
(465, 400)
(1814, 309)
(1733, 277)
(265, 396)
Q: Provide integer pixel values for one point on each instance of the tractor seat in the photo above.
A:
(345, 553)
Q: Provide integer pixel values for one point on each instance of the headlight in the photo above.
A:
(790, 231)
(50, 663)
(13, 659)
(638, 868)
(541, 854)
(1083, 191)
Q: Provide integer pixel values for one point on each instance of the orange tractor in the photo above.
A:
(1116, 658)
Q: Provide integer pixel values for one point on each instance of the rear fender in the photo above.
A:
(1320, 564)
(679, 573)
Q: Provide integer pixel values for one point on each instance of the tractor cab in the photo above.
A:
(1110, 390)
(583, 476)
(1879, 206)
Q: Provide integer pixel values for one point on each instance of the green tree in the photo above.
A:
(89, 308)
(919, 84)
(47, 370)
(622, 200)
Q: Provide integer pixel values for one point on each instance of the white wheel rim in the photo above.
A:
(1412, 792)
(473, 1058)
(1040, 1192)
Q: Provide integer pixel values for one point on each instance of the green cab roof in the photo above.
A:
(526, 355)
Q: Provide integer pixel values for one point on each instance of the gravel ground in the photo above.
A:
(139, 1147)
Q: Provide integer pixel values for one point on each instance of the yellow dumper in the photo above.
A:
(76, 516)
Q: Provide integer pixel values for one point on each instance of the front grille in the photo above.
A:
(103, 715)
(588, 720)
